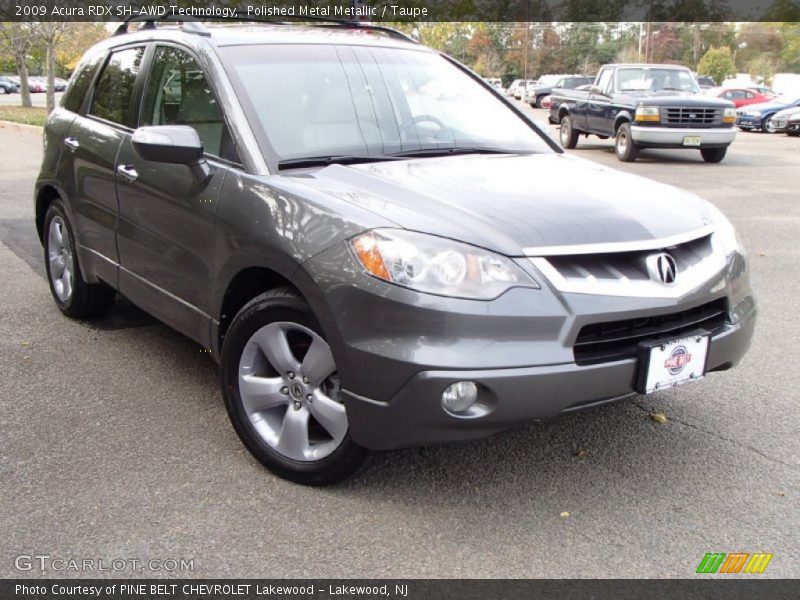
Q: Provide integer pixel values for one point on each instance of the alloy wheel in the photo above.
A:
(292, 402)
(61, 259)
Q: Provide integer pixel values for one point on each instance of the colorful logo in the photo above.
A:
(735, 562)
(679, 358)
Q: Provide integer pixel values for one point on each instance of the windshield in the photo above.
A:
(325, 100)
(641, 79)
(786, 99)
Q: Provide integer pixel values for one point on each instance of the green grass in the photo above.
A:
(18, 114)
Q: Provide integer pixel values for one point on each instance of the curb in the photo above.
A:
(20, 127)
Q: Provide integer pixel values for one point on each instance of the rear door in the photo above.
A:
(88, 159)
(166, 229)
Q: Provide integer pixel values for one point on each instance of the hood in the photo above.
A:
(670, 97)
(507, 203)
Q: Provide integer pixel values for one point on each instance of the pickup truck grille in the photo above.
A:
(691, 117)
(618, 340)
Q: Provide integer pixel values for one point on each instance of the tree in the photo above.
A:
(49, 33)
(717, 63)
(763, 68)
(18, 38)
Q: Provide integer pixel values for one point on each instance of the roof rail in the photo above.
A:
(189, 24)
(192, 25)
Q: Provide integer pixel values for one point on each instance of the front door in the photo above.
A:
(165, 234)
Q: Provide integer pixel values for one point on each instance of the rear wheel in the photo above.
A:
(624, 146)
(539, 100)
(74, 297)
(713, 155)
(2, 90)
(283, 393)
(567, 135)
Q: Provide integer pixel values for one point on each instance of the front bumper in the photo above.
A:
(673, 137)
(414, 416)
(748, 121)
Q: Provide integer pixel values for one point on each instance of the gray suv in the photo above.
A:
(376, 246)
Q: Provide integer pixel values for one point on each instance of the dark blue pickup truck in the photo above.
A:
(646, 106)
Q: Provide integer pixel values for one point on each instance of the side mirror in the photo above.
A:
(596, 91)
(172, 144)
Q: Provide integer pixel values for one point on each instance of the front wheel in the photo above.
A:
(567, 135)
(624, 146)
(283, 394)
(2, 90)
(713, 155)
(539, 100)
(767, 125)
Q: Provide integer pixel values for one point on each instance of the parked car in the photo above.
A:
(544, 87)
(704, 82)
(342, 262)
(764, 91)
(572, 82)
(36, 85)
(739, 96)
(757, 116)
(518, 87)
(793, 125)
(59, 84)
(780, 120)
(7, 86)
(646, 106)
(495, 82)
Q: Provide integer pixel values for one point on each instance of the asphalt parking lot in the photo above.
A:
(114, 442)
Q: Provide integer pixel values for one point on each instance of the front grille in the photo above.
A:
(690, 117)
(618, 340)
(625, 267)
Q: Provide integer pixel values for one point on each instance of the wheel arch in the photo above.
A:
(46, 194)
(622, 117)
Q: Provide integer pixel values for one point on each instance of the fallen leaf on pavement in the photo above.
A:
(582, 453)
(659, 417)
(564, 515)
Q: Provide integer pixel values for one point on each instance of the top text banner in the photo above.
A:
(407, 10)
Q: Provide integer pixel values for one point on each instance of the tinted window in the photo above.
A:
(113, 94)
(178, 94)
(79, 84)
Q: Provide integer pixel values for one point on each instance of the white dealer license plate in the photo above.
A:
(672, 363)
(691, 140)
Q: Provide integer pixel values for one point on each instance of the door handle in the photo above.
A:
(71, 143)
(128, 173)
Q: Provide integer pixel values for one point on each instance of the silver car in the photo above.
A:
(378, 248)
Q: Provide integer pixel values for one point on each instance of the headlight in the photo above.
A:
(647, 113)
(753, 113)
(729, 115)
(435, 265)
(725, 232)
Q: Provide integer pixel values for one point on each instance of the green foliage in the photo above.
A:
(718, 64)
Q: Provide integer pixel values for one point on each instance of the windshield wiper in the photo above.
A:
(321, 161)
(431, 152)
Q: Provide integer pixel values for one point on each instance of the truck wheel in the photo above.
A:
(282, 391)
(713, 155)
(624, 146)
(567, 135)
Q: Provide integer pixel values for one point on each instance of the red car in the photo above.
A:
(739, 96)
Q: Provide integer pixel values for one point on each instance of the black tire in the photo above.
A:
(567, 135)
(2, 90)
(624, 146)
(278, 305)
(539, 101)
(793, 132)
(86, 299)
(766, 127)
(713, 155)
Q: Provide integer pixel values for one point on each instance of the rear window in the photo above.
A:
(79, 84)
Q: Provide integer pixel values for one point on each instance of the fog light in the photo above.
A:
(460, 396)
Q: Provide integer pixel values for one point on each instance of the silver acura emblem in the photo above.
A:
(662, 267)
